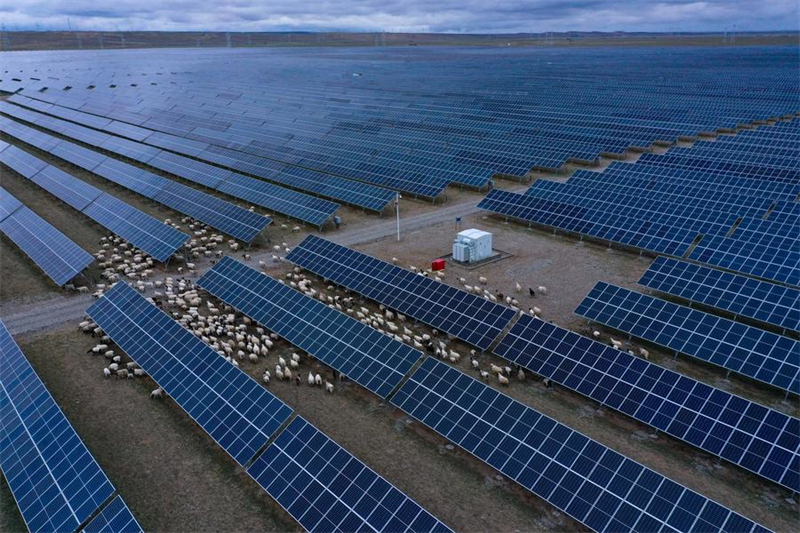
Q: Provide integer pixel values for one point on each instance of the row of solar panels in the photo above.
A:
(52, 251)
(326, 186)
(56, 482)
(301, 206)
(236, 221)
(731, 208)
(140, 229)
(324, 487)
(598, 487)
(711, 419)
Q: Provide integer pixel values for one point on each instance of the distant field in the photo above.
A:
(66, 40)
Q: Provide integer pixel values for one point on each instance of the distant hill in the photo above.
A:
(66, 40)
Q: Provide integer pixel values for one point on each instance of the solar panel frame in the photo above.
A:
(115, 517)
(752, 352)
(326, 488)
(470, 318)
(766, 302)
(237, 412)
(753, 437)
(372, 359)
(36, 439)
(595, 485)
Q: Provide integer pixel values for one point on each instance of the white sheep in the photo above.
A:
(541, 289)
(329, 387)
(311, 380)
(502, 379)
(157, 393)
(318, 380)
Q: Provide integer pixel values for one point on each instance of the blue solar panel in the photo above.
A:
(765, 261)
(752, 298)
(236, 411)
(8, 204)
(130, 177)
(67, 188)
(21, 161)
(140, 229)
(597, 486)
(327, 489)
(226, 217)
(749, 351)
(52, 251)
(463, 315)
(368, 357)
(54, 479)
(114, 518)
(761, 440)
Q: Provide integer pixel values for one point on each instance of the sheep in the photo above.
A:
(475, 364)
(266, 377)
(518, 287)
(287, 374)
(484, 375)
(616, 344)
(496, 369)
(329, 387)
(311, 379)
(596, 334)
(157, 393)
(644, 353)
(507, 370)
(537, 312)
(278, 373)
(521, 375)
(502, 379)
(318, 380)
(253, 358)
(541, 289)
(482, 280)
(106, 372)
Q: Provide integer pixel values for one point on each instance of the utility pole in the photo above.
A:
(397, 213)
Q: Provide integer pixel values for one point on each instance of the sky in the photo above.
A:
(452, 16)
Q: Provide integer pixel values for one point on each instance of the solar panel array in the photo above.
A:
(749, 351)
(769, 303)
(372, 359)
(140, 229)
(325, 488)
(468, 317)
(229, 218)
(596, 486)
(759, 439)
(204, 167)
(54, 479)
(52, 251)
(114, 518)
(238, 413)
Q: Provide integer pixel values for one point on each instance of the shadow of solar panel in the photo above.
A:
(752, 298)
(595, 485)
(325, 488)
(52, 251)
(743, 349)
(374, 360)
(21, 161)
(67, 188)
(54, 479)
(143, 231)
(758, 439)
(114, 518)
(237, 412)
(226, 217)
(8, 204)
(466, 316)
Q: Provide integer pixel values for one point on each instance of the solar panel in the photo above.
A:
(325, 488)
(21, 161)
(140, 229)
(186, 168)
(8, 204)
(78, 155)
(765, 261)
(226, 217)
(752, 298)
(54, 479)
(758, 439)
(52, 251)
(595, 485)
(114, 518)
(372, 359)
(130, 177)
(237, 412)
(749, 351)
(468, 317)
(67, 188)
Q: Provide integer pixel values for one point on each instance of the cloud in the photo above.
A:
(470, 16)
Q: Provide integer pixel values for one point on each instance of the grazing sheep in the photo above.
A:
(484, 375)
(329, 387)
(518, 287)
(311, 380)
(596, 334)
(106, 372)
(475, 364)
(541, 289)
(521, 375)
(266, 377)
(502, 379)
(318, 380)
(644, 353)
(157, 393)
(496, 369)
(482, 280)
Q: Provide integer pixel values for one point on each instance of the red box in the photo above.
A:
(437, 264)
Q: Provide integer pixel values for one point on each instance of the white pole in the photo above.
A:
(397, 213)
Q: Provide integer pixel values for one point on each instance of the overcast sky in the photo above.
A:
(473, 16)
